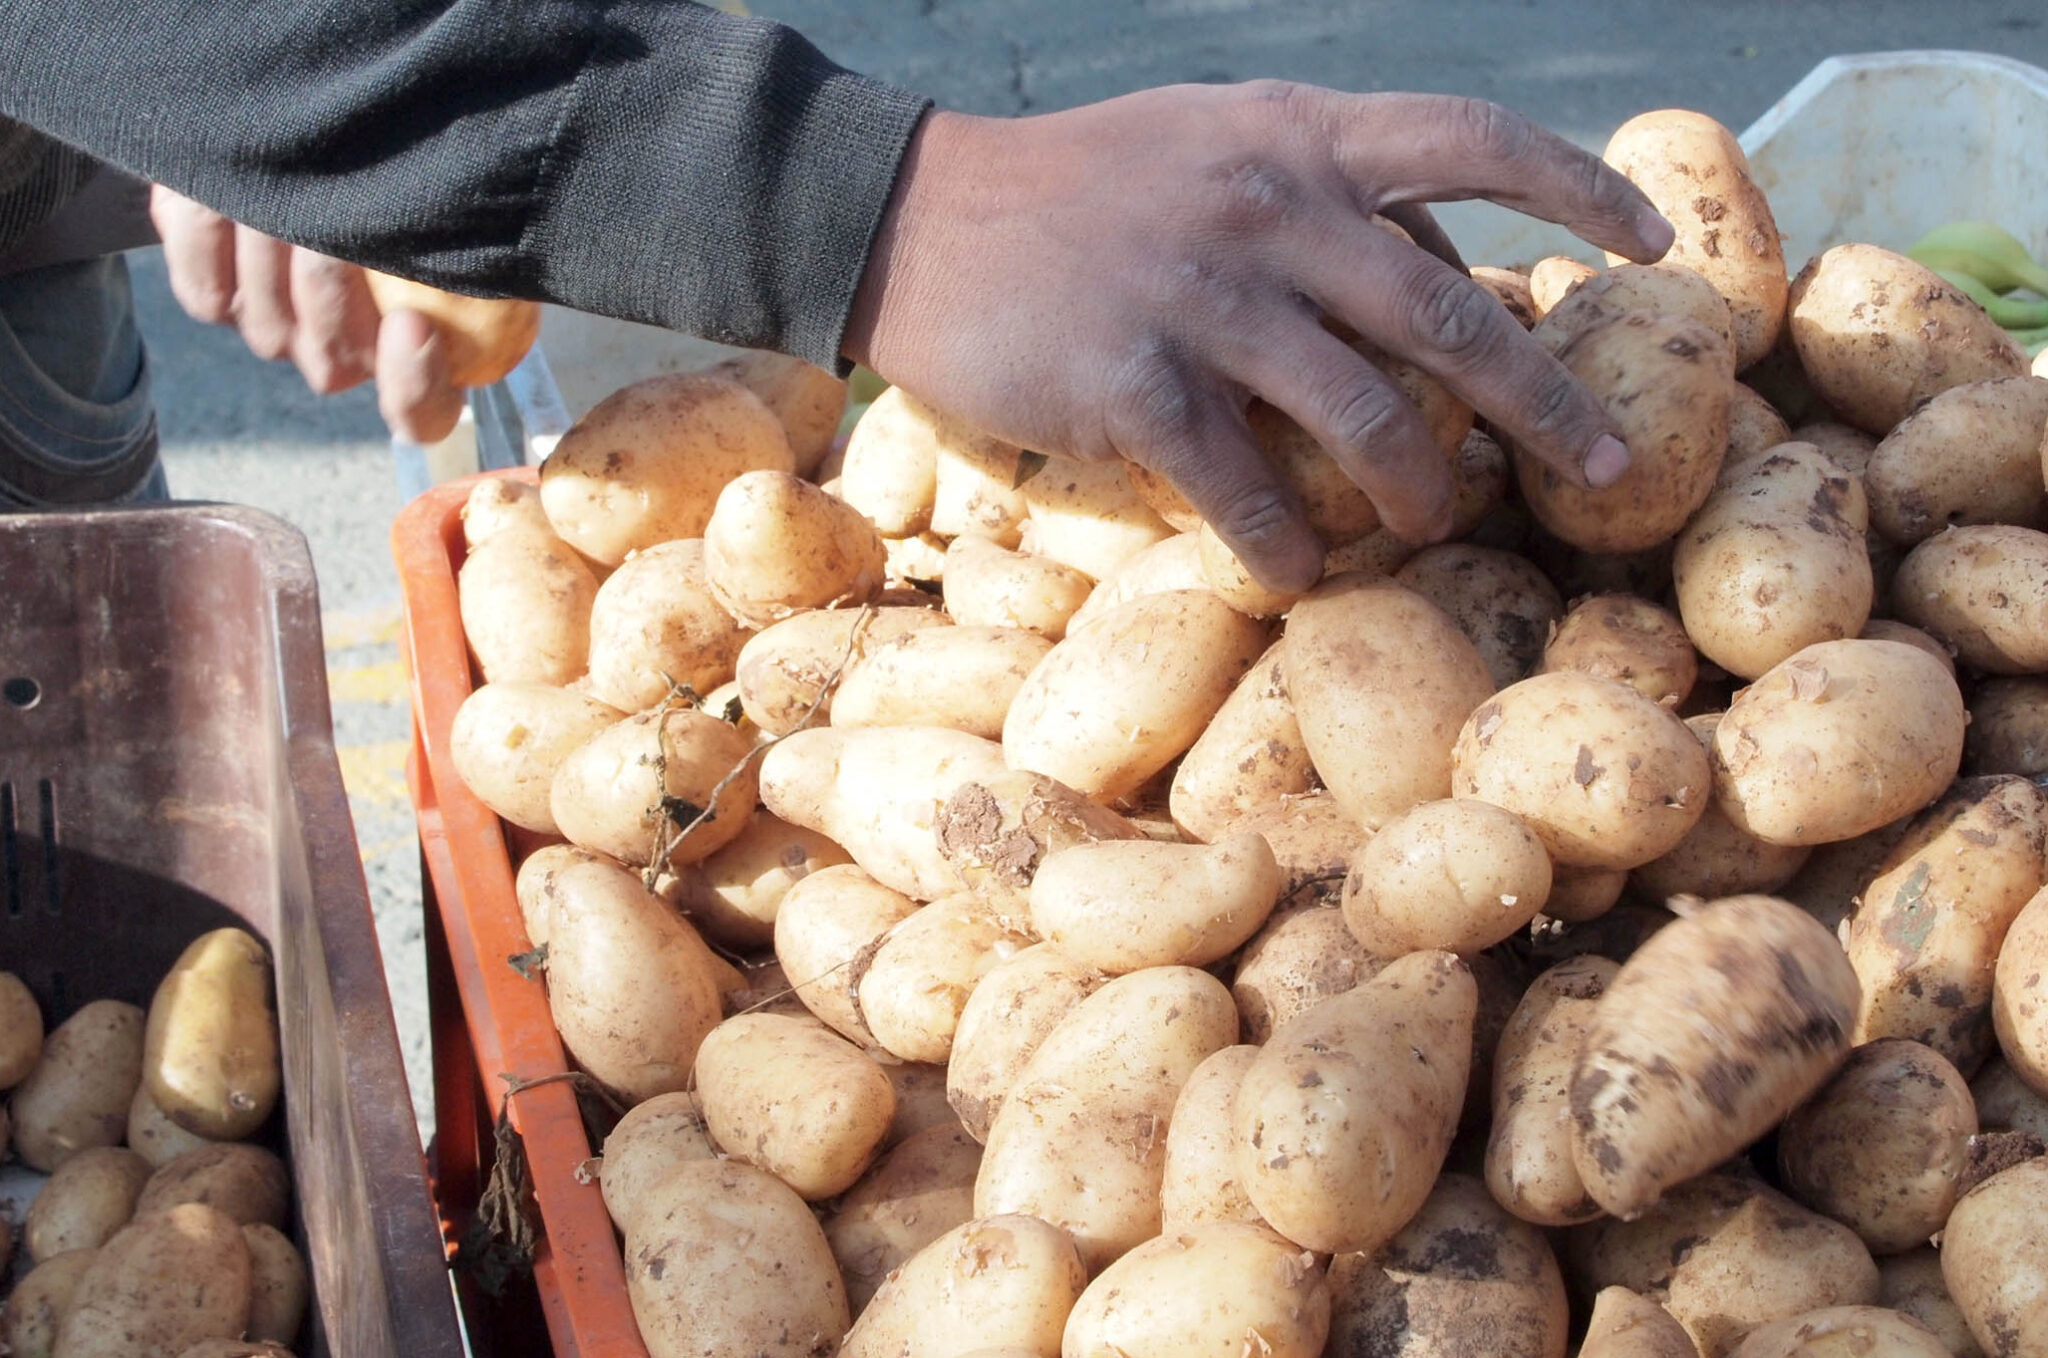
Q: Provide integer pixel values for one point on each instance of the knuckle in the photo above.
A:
(208, 300)
(1149, 395)
(1359, 414)
(1481, 127)
(1254, 195)
(1555, 406)
(1257, 515)
(1455, 317)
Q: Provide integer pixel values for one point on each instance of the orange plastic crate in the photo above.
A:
(504, 1027)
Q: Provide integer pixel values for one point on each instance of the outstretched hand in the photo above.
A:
(289, 302)
(1120, 280)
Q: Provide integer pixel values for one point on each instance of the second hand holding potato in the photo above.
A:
(1120, 280)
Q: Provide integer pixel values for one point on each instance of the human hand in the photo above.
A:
(1122, 279)
(289, 302)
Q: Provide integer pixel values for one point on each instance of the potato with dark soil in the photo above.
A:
(1970, 455)
(1502, 603)
(1688, 1059)
(1529, 1165)
(1883, 1145)
(1993, 1257)
(1628, 640)
(2008, 728)
(1304, 955)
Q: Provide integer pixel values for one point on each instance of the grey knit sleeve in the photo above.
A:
(648, 159)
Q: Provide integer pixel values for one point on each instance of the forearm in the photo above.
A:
(648, 159)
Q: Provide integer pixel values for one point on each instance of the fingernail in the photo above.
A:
(1655, 229)
(1606, 462)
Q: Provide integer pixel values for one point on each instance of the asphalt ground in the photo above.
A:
(237, 429)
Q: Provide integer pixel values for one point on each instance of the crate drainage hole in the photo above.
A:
(21, 692)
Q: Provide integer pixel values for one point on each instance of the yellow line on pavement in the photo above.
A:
(375, 773)
(379, 682)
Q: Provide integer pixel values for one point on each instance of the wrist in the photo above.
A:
(923, 205)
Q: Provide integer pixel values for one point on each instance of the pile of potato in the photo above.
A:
(1018, 932)
(160, 1231)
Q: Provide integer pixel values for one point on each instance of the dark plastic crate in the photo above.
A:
(167, 766)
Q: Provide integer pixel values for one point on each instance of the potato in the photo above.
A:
(1452, 875)
(278, 1286)
(657, 619)
(1111, 706)
(1166, 566)
(1529, 1165)
(1345, 1118)
(1207, 1291)
(877, 793)
(1993, 1258)
(484, 338)
(1302, 956)
(1503, 604)
(164, 1282)
(1725, 1255)
(826, 932)
(1338, 510)
(631, 986)
(91, 1196)
(1885, 629)
(649, 1142)
(786, 671)
(1836, 874)
(922, 971)
(1200, 1183)
(152, 1135)
(1845, 1331)
(776, 545)
(1754, 425)
(2008, 730)
(807, 400)
(2005, 1103)
(1553, 279)
(1840, 739)
(1927, 934)
(1658, 1096)
(1365, 656)
(1911, 1284)
(794, 1098)
(36, 1307)
(1971, 455)
(498, 503)
(1123, 905)
(647, 463)
(890, 472)
(1006, 1281)
(1984, 591)
(1715, 859)
(1883, 1145)
(1694, 170)
(1225, 573)
(1462, 1277)
(1627, 640)
(976, 492)
(1510, 289)
(246, 1183)
(1088, 516)
(2019, 1007)
(1581, 895)
(1639, 290)
(734, 895)
(1775, 562)
(525, 600)
(78, 1094)
(914, 1195)
(988, 586)
(534, 883)
(1312, 839)
(1605, 777)
(1664, 381)
(648, 781)
(1878, 335)
(725, 1258)
(21, 1031)
(1625, 1325)
(962, 677)
(996, 831)
(509, 739)
(1106, 1078)
(1250, 755)
(1006, 1018)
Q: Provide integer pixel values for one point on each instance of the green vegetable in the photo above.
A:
(1985, 251)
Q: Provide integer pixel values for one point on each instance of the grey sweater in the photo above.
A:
(648, 159)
